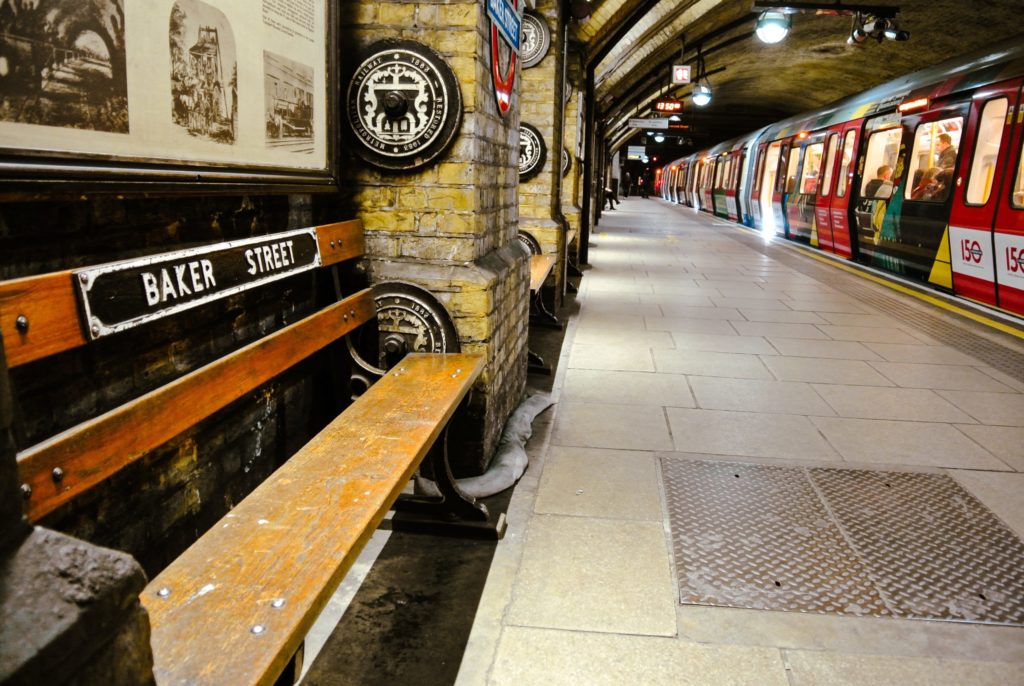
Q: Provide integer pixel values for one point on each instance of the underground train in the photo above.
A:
(921, 176)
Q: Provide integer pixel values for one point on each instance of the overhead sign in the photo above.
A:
(636, 152)
(505, 16)
(680, 73)
(649, 124)
(668, 105)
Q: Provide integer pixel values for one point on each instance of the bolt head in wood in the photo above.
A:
(278, 603)
(258, 629)
(21, 323)
(164, 592)
(26, 491)
(58, 474)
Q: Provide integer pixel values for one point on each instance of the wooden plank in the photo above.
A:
(570, 236)
(340, 241)
(49, 305)
(540, 267)
(92, 451)
(275, 560)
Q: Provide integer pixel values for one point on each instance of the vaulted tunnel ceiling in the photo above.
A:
(632, 43)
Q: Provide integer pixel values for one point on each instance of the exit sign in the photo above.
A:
(668, 105)
(680, 73)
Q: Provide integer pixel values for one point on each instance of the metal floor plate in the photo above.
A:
(842, 541)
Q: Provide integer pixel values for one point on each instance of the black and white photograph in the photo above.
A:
(288, 103)
(204, 72)
(62, 63)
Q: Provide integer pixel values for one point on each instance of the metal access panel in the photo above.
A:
(840, 541)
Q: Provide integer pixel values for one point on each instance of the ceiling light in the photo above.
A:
(659, 138)
(701, 94)
(772, 26)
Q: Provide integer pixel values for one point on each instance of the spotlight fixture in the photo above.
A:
(873, 26)
(701, 93)
(772, 26)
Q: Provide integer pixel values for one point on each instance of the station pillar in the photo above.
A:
(449, 225)
(542, 103)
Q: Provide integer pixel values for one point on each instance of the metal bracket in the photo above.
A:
(453, 513)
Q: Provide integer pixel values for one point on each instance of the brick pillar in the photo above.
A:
(451, 227)
(540, 205)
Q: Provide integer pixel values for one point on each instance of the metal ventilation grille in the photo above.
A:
(843, 541)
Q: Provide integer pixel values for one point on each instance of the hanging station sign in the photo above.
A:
(636, 152)
(506, 28)
(660, 124)
(680, 74)
(668, 105)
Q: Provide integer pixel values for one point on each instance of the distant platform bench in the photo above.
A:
(235, 607)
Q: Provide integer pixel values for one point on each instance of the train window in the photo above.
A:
(1017, 191)
(986, 150)
(844, 169)
(812, 168)
(794, 162)
(760, 170)
(830, 163)
(879, 161)
(933, 161)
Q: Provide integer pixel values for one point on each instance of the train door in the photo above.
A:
(769, 181)
(1008, 237)
(754, 196)
(789, 161)
(804, 189)
(723, 167)
(706, 200)
(913, 238)
(822, 216)
(732, 201)
(876, 200)
(983, 165)
(839, 208)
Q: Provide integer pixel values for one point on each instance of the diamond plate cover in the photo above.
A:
(758, 536)
(843, 541)
(934, 551)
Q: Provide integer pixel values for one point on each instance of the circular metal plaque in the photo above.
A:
(535, 41)
(529, 243)
(404, 105)
(532, 151)
(409, 320)
(566, 162)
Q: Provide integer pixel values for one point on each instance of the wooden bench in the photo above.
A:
(235, 607)
(540, 269)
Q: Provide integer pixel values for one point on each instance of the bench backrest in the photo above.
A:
(47, 314)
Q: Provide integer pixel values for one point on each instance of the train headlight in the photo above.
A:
(772, 26)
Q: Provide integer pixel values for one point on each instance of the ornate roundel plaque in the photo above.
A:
(409, 320)
(404, 105)
(535, 41)
(532, 151)
(566, 162)
(529, 243)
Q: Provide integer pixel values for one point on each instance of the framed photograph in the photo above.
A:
(141, 95)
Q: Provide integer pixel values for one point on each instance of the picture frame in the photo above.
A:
(220, 96)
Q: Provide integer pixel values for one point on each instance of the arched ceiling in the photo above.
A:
(632, 43)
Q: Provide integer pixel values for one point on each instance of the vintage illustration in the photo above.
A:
(204, 72)
(288, 103)
(62, 63)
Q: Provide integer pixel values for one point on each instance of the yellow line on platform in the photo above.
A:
(932, 300)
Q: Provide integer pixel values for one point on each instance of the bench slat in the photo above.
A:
(340, 241)
(48, 303)
(297, 534)
(93, 450)
(540, 267)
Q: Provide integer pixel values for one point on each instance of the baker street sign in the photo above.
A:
(122, 295)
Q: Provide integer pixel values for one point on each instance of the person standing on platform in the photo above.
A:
(642, 185)
(627, 184)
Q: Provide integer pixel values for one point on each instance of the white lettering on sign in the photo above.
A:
(268, 258)
(177, 281)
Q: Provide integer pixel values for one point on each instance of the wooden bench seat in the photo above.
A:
(235, 606)
(540, 267)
